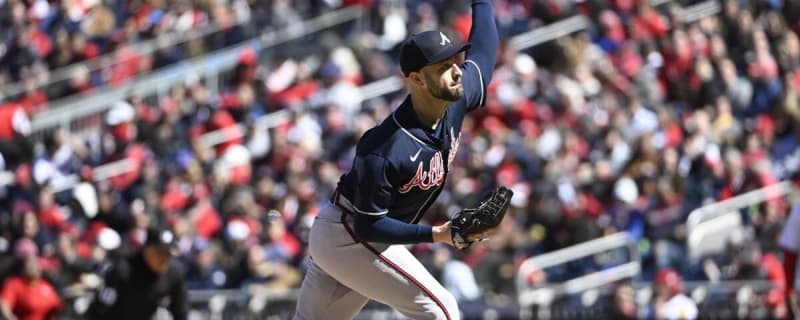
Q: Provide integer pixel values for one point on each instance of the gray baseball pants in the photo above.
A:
(344, 274)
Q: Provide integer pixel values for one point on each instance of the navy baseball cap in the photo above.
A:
(161, 238)
(427, 47)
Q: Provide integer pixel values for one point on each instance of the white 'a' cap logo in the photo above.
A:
(445, 39)
(166, 237)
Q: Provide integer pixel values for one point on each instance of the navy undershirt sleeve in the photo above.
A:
(372, 199)
(482, 55)
(385, 229)
(484, 38)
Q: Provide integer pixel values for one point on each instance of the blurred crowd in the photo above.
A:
(626, 126)
(43, 43)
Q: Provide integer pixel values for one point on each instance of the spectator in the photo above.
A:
(61, 158)
(15, 129)
(669, 301)
(622, 303)
(27, 295)
(135, 286)
(455, 276)
(206, 272)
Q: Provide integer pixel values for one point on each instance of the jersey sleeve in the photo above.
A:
(482, 55)
(474, 86)
(373, 192)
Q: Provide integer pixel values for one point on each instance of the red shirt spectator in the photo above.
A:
(13, 121)
(29, 297)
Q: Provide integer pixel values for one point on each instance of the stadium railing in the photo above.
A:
(69, 112)
(587, 296)
(625, 265)
(107, 61)
(707, 230)
(73, 112)
(714, 300)
(708, 227)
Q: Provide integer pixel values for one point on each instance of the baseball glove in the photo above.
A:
(487, 215)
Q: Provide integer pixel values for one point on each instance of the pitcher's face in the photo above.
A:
(444, 79)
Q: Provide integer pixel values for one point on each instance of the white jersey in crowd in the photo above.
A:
(679, 307)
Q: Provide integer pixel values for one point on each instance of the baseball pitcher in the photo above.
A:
(400, 168)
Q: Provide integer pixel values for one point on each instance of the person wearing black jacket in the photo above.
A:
(137, 286)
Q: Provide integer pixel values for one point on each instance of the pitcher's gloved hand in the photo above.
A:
(475, 221)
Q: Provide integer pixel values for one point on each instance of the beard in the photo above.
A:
(445, 93)
(449, 94)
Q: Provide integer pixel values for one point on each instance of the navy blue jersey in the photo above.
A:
(401, 165)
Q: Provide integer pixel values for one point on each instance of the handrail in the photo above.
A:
(266, 121)
(381, 87)
(716, 209)
(549, 32)
(728, 285)
(147, 47)
(617, 240)
(224, 59)
(215, 62)
(698, 11)
(546, 293)
(707, 226)
(78, 106)
(576, 251)
(100, 173)
(206, 295)
(656, 3)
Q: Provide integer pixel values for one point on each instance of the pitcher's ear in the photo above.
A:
(416, 78)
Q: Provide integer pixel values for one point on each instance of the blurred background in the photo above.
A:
(652, 147)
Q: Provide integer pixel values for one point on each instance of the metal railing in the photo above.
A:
(72, 109)
(549, 32)
(76, 108)
(228, 304)
(714, 300)
(707, 227)
(701, 10)
(528, 294)
(144, 48)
